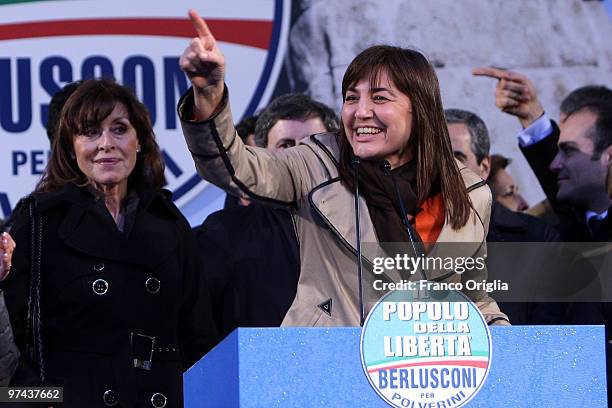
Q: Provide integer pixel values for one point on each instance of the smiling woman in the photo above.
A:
(378, 120)
(105, 139)
(391, 112)
(107, 154)
(413, 189)
(105, 295)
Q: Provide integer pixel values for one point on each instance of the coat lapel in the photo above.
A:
(451, 243)
(473, 231)
(336, 206)
(465, 242)
(87, 232)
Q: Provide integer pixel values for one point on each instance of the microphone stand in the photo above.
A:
(356, 162)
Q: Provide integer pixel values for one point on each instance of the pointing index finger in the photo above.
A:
(490, 72)
(200, 25)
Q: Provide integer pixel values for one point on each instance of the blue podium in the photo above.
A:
(531, 366)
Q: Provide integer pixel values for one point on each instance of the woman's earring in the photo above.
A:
(138, 149)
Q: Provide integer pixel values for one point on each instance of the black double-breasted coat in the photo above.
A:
(112, 300)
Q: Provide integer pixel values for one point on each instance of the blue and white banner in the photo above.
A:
(278, 46)
(46, 44)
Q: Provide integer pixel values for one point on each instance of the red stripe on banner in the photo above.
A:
(254, 33)
(477, 364)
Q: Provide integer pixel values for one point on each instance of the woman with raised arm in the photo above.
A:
(413, 190)
(105, 294)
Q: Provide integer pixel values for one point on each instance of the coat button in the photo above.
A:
(99, 267)
(158, 400)
(152, 285)
(100, 286)
(110, 398)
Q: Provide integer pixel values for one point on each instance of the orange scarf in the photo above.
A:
(430, 220)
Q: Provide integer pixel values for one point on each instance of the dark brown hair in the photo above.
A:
(89, 105)
(498, 162)
(293, 106)
(429, 141)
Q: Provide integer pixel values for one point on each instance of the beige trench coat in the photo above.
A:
(305, 179)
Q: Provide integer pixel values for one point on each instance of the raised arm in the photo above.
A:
(204, 64)
(281, 178)
(514, 94)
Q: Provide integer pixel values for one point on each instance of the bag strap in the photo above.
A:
(34, 346)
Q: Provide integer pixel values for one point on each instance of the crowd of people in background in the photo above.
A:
(270, 257)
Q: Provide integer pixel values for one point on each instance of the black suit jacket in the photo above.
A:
(252, 262)
(513, 227)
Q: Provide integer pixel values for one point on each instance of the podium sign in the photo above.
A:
(538, 366)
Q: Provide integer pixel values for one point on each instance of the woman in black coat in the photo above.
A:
(117, 310)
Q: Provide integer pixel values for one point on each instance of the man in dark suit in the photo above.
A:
(571, 162)
(471, 144)
(251, 253)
